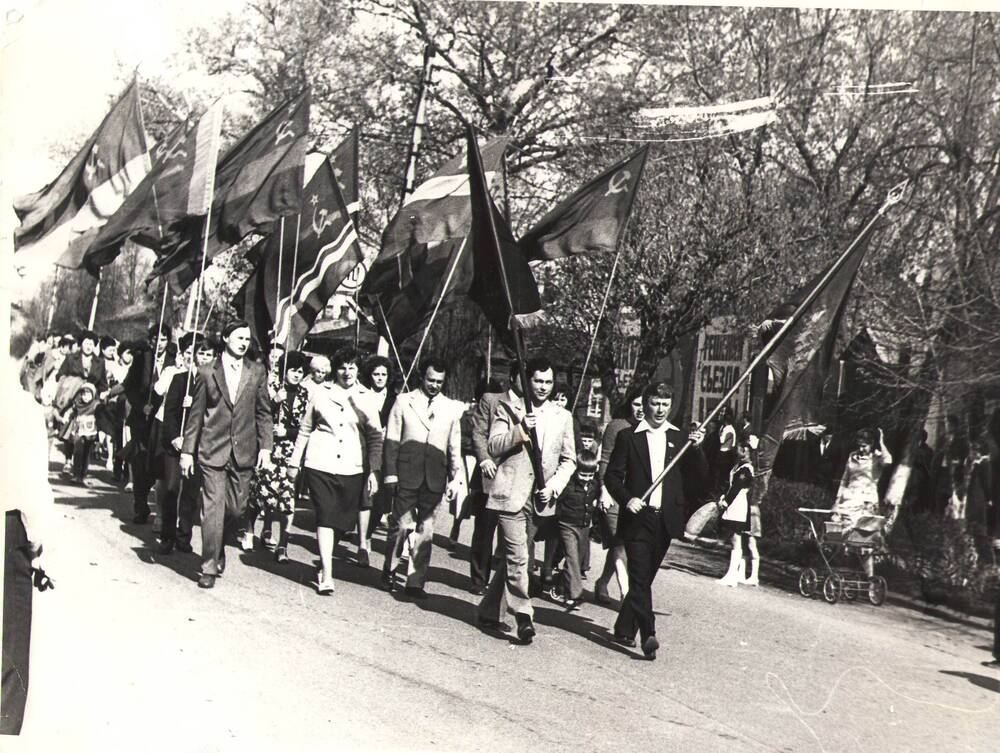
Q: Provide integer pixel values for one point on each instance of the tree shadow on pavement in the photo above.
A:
(980, 681)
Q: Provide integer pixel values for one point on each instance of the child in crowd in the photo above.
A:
(80, 429)
(740, 517)
(574, 509)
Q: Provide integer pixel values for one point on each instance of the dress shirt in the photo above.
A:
(233, 369)
(656, 440)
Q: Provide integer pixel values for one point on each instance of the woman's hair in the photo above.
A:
(370, 365)
(293, 359)
(345, 355)
(866, 436)
(559, 390)
(624, 409)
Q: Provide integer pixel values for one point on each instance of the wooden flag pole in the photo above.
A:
(281, 258)
(437, 305)
(53, 299)
(392, 342)
(295, 279)
(893, 197)
(597, 327)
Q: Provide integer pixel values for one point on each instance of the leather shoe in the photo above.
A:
(623, 640)
(525, 629)
(166, 547)
(180, 546)
(388, 582)
(362, 558)
(140, 518)
(649, 647)
(415, 592)
(477, 590)
(490, 624)
(221, 564)
(206, 581)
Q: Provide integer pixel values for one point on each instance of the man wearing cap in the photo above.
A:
(229, 428)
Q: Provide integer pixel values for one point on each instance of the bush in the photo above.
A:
(785, 532)
(943, 558)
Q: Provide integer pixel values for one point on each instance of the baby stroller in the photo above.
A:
(839, 542)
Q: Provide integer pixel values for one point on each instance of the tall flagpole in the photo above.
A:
(53, 299)
(281, 257)
(893, 197)
(437, 305)
(533, 453)
(290, 308)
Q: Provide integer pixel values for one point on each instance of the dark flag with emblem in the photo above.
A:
(438, 210)
(175, 189)
(502, 283)
(801, 360)
(327, 252)
(58, 221)
(592, 219)
(258, 181)
(345, 167)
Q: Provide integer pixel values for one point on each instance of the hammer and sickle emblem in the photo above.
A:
(94, 163)
(618, 183)
(322, 218)
(166, 152)
(284, 131)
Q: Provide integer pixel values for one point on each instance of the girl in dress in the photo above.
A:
(271, 490)
(858, 492)
(740, 517)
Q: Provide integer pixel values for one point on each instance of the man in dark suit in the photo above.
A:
(647, 526)
(142, 403)
(229, 427)
(87, 363)
(179, 498)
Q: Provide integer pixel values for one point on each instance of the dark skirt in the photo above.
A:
(336, 498)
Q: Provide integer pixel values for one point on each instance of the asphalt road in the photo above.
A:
(128, 654)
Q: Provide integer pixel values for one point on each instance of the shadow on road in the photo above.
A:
(980, 681)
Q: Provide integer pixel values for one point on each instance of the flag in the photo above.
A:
(801, 360)
(327, 252)
(437, 211)
(257, 181)
(260, 178)
(592, 219)
(502, 284)
(177, 187)
(345, 167)
(58, 221)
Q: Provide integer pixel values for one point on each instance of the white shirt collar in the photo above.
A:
(644, 426)
(229, 362)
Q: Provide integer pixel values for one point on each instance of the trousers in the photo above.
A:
(412, 516)
(511, 577)
(645, 554)
(16, 625)
(224, 493)
(573, 538)
(483, 534)
(178, 498)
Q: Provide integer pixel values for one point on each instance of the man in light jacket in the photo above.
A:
(515, 492)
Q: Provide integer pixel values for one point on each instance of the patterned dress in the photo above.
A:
(272, 490)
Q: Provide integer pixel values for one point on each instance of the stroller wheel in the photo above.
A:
(833, 588)
(808, 582)
(877, 590)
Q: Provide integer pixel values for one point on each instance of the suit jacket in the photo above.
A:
(138, 389)
(218, 428)
(515, 479)
(421, 446)
(173, 410)
(96, 375)
(482, 417)
(629, 475)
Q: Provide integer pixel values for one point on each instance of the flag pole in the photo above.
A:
(295, 271)
(392, 342)
(53, 299)
(444, 292)
(893, 197)
(281, 257)
(597, 327)
(419, 116)
(533, 450)
(93, 306)
(489, 351)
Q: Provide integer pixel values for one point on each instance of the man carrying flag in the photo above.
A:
(58, 221)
